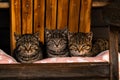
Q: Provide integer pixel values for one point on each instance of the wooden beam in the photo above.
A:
(55, 71)
(85, 16)
(4, 5)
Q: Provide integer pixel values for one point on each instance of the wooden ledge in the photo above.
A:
(54, 70)
(100, 3)
(4, 5)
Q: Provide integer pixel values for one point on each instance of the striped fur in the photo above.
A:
(56, 43)
(28, 48)
(99, 45)
(80, 44)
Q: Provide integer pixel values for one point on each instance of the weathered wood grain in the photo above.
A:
(62, 16)
(74, 71)
(51, 13)
(85, 18)
(15, 21)
(39, 17)
(27, 12)
(74, 11)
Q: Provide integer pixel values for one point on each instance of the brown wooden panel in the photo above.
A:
(15, 21)
(85, 20)
(51, 9)
(74, 10)
(62, 16)
(39, 17)
(114, 54)
(27, 9)
(56, 70)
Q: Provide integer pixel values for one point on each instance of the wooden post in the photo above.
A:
(114, 70)
(85, 20)
(15, 21)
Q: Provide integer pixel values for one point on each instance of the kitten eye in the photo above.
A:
(73, 48)
(50, 42)
(32, 47)
(35, 47)
(86, 47)
(62, 42)
(21, 47)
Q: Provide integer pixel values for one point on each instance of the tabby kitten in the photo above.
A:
(28, 48)
(80, 44)
(56, 43)
(99, 45)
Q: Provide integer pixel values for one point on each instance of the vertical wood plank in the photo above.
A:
(62, 14)
(15, 21)
(39, 17)
(51, 9)
(85, 20)
(27, 9)
(74, 11)
(114, 70)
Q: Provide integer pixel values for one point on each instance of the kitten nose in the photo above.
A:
(80, 48)
(57, 42)
(28, 46)
(57, 45)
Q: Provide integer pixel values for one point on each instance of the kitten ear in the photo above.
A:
(37, 34)
(65, 31)
(47, 32)
(17, 36)
(90, 36)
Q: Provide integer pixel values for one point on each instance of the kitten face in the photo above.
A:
(56, 40)
(80, 44)
(56, 44)
(27, 47)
